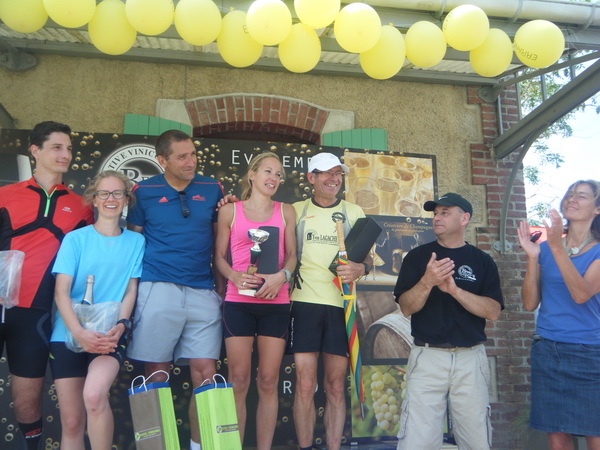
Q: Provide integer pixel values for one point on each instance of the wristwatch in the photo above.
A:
(288, 275)
(127, 324)
(367, 268)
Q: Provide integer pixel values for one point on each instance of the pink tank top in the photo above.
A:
(240, 243)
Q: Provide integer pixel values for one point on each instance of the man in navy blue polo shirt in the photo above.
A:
(178, 312)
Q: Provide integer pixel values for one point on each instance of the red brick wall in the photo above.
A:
(256, 113)
(509, 337)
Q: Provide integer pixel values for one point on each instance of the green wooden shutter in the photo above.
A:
(365, 138)
(151, 126)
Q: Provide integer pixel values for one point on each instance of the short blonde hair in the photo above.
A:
(88, 195)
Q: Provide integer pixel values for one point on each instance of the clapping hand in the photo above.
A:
(555, 230)
(438, 271)
(532, 249)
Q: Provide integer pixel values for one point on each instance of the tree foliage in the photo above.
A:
(532, 93)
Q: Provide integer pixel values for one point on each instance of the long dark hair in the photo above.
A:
(595, 187)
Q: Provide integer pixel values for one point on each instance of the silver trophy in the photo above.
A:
(258, 237)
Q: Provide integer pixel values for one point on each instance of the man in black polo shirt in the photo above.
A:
(448, 288)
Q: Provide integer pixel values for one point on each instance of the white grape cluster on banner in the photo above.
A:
(113, 26)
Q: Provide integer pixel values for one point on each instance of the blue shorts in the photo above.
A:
(252, 319)
(317, 328)
(565, 387)
(65, 363)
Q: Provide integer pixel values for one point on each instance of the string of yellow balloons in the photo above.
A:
(240, 36)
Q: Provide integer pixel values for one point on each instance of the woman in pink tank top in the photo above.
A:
(256, 305)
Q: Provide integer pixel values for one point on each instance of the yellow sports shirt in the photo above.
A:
(317, 246)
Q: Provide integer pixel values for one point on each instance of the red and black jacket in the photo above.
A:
(35, 222)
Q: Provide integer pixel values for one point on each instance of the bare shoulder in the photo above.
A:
(226, 211)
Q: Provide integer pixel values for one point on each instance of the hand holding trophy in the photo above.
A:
(258, 237)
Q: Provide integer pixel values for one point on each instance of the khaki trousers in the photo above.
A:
(439, 380)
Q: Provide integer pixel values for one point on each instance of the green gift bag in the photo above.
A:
(153, 415)
(216, 415)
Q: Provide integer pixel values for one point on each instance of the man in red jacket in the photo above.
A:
(35, 215)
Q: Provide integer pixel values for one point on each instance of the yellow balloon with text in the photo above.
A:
(198, 22)
(386, 58)
(70, 13)
(357, 27)
(466, 27)
(494, 56)
(539, 43)
(235, 44)
(109, 29)
(301, 49)
(425, 44)
(269, 21)
(317, 13)
(24, 16)
(150, 17)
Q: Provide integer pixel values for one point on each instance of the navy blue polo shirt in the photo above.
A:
(178, 248)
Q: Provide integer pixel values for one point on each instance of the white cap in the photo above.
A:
(325, 161)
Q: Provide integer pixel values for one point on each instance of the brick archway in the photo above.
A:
(255, 113)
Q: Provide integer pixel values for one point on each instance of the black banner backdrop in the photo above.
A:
(391, 187)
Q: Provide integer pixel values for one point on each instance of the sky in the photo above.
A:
(581, 153)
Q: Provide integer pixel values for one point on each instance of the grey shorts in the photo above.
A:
(174, 322)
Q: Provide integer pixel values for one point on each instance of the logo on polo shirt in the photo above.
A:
(466, 273)
(314, 237)
(163, 200)
(198, 198)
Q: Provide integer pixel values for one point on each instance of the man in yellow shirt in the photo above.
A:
(317, 318)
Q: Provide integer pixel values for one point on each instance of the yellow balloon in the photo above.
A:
(301, 50)
(466, 27)
(387, 57)
(70, 13)
(317, 13)
(109, 30)
(425, 44)
(198, 21)
(269, 21)
(235, 44)
(494, 56)
(357, 27)
(539, 43)
(150, 17)
(24, 16)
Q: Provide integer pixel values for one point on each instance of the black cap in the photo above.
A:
(449, 199)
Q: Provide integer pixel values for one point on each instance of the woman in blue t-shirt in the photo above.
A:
(114, 256)
(563, 279)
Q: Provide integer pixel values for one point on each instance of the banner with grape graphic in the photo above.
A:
(384, 391)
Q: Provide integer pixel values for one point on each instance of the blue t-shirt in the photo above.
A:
(560, 318)
(178, 248)
(112, 260)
